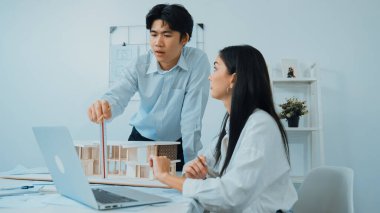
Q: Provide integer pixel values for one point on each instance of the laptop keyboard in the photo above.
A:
(103, 196)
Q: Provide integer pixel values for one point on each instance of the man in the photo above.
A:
(172, 81)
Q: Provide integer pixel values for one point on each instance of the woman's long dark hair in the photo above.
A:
(251, 91)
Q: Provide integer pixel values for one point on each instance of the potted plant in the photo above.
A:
(292, 110)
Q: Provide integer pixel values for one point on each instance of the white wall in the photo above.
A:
(54, 63)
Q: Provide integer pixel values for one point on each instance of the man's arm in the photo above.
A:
(119, 95)
(193, 108)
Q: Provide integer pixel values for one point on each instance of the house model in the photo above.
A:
(125, 158)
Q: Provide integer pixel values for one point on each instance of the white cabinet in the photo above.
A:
(305, 141)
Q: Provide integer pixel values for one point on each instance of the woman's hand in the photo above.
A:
(161, 171)
(161, 166)
(197, 168)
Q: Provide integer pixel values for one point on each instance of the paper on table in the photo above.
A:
(26, 201)
(19, 191)
(57, 199)
(20, 170)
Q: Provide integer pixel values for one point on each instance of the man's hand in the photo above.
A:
(197, 168)
(100, 110)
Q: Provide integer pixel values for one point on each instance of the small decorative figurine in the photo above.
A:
(291, 73)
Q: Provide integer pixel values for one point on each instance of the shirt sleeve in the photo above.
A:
(121, 93)
(193, 108)
(252, 169)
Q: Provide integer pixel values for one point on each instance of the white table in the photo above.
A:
(48, 200)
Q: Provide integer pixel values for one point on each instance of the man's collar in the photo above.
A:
(182, 62)
(154, 66)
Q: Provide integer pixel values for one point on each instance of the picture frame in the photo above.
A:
(289, 68)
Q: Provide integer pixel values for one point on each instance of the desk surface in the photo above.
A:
(48, 200)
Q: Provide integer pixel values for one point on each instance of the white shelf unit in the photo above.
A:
(305, 141)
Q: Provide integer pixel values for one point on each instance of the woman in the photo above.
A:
(247, 170)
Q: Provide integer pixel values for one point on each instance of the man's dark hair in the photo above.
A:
(175, 15)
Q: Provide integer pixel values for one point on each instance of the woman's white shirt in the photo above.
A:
(257, 178)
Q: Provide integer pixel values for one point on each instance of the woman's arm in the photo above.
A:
(161, 166)
(197, 169)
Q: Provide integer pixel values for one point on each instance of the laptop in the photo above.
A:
(65, 168)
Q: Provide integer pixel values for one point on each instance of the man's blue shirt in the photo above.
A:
(172, 102)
